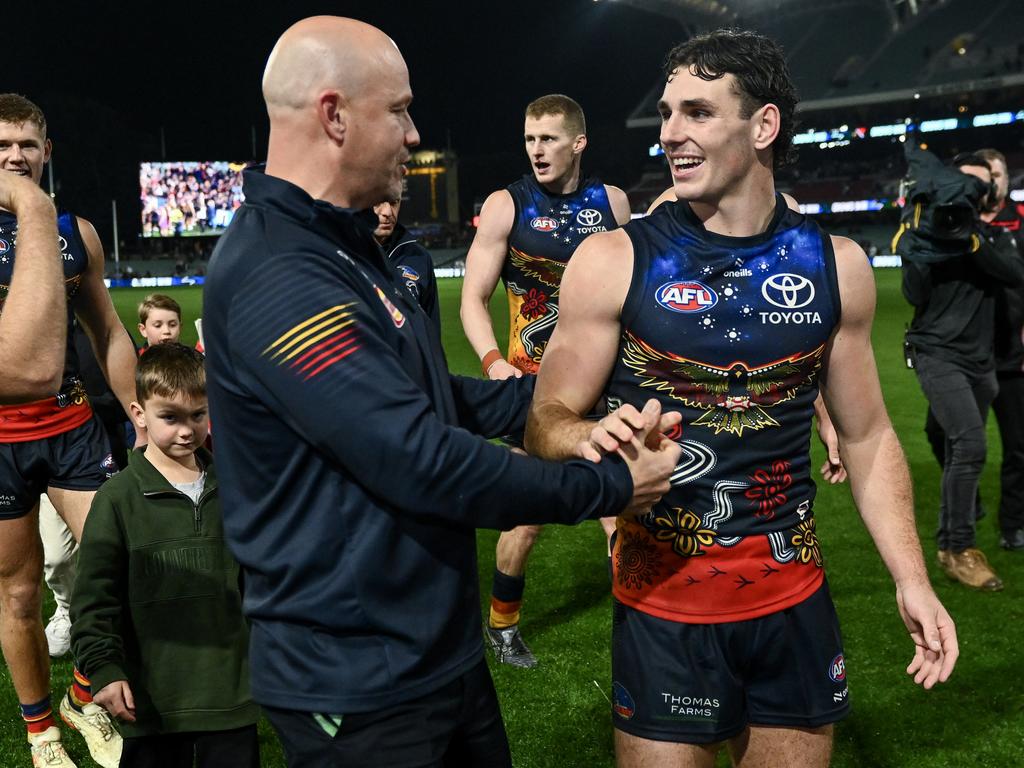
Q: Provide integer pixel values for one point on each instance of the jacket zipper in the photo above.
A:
(197, 519)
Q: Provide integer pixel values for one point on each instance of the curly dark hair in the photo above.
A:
(759, 66)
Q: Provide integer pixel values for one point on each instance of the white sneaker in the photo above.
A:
(47, 751)
(58, 632)
(102, 739)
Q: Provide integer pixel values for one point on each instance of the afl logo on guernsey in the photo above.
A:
(686, 296)
(837, 669)
(544, 224)
(5, 247)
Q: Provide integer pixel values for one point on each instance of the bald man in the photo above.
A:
(351, 481)
(31, 344)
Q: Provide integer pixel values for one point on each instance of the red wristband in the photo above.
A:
(490, 359)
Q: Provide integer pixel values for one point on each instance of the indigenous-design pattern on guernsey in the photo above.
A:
(70, 408)
(546, 230)
(732, 333)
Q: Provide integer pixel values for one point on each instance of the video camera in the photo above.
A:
(941, 211)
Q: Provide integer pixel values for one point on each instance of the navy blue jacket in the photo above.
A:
(415, 266)
(351, 482)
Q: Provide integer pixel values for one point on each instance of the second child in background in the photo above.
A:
(159, 320)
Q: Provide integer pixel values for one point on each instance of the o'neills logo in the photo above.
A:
(544, 224)
(686, 296)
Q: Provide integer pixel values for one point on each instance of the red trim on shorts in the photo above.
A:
(27, 422)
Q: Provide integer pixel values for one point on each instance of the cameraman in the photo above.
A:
(952, 337)
(1009, 350)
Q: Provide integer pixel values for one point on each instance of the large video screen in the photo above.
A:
(188, 199)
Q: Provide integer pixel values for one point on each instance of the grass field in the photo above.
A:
(558, 714)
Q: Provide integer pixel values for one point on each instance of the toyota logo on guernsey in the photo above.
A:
(788, 291)
(837, 669)
(544, 224)
(686, 296)
(589, 221)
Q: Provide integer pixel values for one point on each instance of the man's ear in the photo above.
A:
(332, 109)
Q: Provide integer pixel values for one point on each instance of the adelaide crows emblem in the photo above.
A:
(547, 271)
(734, 397)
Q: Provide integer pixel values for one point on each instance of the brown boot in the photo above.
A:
(970, 567)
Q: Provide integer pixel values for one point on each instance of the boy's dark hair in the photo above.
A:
(559, 104)
(16, 109)
(158, 301)
(168, 370)
(759, 66)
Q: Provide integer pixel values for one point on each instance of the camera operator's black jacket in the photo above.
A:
(954, 300)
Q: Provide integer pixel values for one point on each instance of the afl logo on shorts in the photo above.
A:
(544, 224)
(408, 273)
(837, 669)
(622, 702)
(108, 465)
(688, 296)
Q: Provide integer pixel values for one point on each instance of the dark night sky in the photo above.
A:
(110, 75)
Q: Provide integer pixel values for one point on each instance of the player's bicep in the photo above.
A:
(490, 247)
(581, 352)
(91, 303)
(619, 204)
(850, 384)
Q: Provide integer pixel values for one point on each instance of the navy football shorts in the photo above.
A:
(705, 683)
(77, 460)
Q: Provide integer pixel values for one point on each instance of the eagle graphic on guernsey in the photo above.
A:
(533, 309)
(734, 397)
(547, 271)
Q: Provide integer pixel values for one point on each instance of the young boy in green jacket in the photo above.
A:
(157, 612)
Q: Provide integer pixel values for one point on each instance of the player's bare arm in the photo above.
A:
(832, 470)
(619, 203)
(484, 261)
(879, 477)
(110, 341)
(580, 356)
(32, 343)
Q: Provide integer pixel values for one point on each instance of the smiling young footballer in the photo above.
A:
(527, 233)
(733, 309)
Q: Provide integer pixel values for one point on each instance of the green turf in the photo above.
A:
(558, 714)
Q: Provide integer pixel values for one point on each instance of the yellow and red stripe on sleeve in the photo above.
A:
(317, 342)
